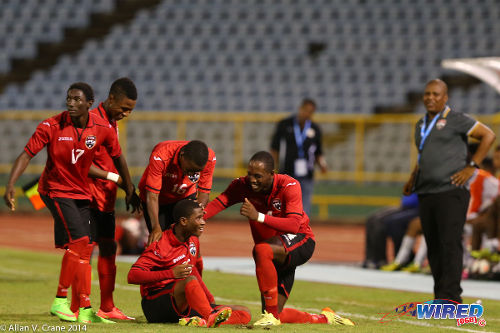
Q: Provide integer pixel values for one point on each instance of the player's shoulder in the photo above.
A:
(211, 155)
(286, 181)
(99, 121)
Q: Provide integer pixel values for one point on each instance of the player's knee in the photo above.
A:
(262, 251)
(107, 247)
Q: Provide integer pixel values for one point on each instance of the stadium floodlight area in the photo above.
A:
(486, 69)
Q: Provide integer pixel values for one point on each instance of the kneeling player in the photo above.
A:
(169, 272)
(282, 235)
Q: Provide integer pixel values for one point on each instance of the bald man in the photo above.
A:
(441, 179)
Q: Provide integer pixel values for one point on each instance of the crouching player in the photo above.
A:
(169, 273)
(282, 235)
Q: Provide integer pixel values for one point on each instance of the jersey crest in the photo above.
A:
(277, 203)
(192, 249)
(194, 177)
(90, 141)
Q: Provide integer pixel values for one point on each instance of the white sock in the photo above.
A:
(405, 249)
(421, 253)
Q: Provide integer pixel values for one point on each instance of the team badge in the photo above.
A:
(194, 177)
(441, 123)
(192, 249)
(90, 141)
(277, 203)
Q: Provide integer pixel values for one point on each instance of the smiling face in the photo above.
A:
(259, 178)
(435, 96)
(77, 104)
(119, 107)
(194, 224)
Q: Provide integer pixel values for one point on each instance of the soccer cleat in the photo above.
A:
(334, 319)
(391, 267)
(115, 313)
(193, 321)
(219, 316)
(88, 316)
(60, 308)
(267, 320)
(412, 268)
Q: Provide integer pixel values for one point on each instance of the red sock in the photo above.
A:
(84, 279)
(238, 317)
(267, 277)
(197, 299)
(209, 295)
(106, 269)
(295, 316)
(75, 298)
(67, 274)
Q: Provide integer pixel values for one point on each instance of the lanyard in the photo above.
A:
(424, 132)
(300, 137)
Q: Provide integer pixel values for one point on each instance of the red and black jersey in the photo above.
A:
(156, 262)
(164, 175)
(282, 207)
(70, 153)
(103, 191)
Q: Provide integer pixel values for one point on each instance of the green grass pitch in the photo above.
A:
(28, 283)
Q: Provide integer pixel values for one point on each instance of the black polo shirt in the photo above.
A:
(284, 142)
(444, 151)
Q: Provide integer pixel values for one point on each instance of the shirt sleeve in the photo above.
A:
(156, 168)
(39, 139)
(232, 195)
(145, 270)
(111, 144)
(206, 175)
(275, 141)
(319, 140)
(465, 123)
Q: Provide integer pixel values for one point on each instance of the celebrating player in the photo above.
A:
(282, 235)
(176, 170)
(119, 104)
(170, 270)
(72, 139)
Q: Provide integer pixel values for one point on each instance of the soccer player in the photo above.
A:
(176, 170)
(281, 232)
(72, 139)
(169, 273)
(119, 104)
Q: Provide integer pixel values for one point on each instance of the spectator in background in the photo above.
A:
(296, 147)
(441, 180)
(389, 222)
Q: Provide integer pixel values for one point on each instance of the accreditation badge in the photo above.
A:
(300, 167)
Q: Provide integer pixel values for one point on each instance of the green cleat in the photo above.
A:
(88, 316)
(267, 319)
(61, 309)
(391, 267)
(412, 268)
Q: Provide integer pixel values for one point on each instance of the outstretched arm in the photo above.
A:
(17, 170)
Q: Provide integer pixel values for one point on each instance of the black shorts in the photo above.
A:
(71, 219)
(165, 214)
(300, 249)
(102, 224)
(162, 309)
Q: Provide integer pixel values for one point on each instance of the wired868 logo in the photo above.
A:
(439, 309)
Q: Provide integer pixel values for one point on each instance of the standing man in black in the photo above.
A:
(296, 147)
(441, 181)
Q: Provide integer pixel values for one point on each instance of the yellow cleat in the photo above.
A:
(391, 267)
(267, 320)
(193, 322)
(335, 319)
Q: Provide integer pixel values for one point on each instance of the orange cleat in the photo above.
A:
(115, 313)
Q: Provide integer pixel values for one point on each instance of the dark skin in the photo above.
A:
(261, 181)
(189, 168)
(435, 98)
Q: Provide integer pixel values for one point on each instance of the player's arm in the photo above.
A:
(127, 185)
(226, 199)
(289, 224)
(140, 274)
(153, 210)
(486, 138)
(202, 198)
(17, 170)
(204, 185)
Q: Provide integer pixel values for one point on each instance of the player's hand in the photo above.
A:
(248, 210)
(408, 188)
(9, 196)
(135, 202)
(182, 271)
(462, 176)
(155, 235)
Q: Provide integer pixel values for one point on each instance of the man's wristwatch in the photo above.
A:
(473, 164)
